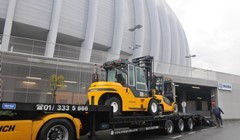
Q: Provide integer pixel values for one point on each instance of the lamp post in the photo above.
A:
(138, 26)
(134, 47)
(190, 56)
(135, 27)
(190, 62)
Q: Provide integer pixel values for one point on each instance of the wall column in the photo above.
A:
(8, 25)
(53, 30)
(114, 52)
(87, 45)
(155, 30)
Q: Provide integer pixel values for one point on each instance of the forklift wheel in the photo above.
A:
(153, 108)
(116, 104)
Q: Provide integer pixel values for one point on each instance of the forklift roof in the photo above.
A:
(116, 63)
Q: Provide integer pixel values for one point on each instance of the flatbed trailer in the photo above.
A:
(40, 121)
(166, 123)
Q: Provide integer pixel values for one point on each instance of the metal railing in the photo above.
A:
(37, 47)
(184, 71)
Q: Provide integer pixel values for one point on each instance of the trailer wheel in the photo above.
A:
(189, 124)
(153, 108)
(180, 125)
(168, 127)
(116, 104)
(57, 129)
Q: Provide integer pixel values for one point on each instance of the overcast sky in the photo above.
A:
(213, 32)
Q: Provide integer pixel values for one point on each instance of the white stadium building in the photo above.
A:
(96, 26)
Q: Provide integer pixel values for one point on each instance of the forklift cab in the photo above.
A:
(128, 75)
(166, 88)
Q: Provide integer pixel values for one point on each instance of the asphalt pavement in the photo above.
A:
(230, 131)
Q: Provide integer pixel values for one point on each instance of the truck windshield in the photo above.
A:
(115, 75)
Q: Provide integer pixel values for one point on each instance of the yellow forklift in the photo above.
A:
(165, 87)
(131, 87)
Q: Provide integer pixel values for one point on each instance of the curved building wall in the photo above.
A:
(33, 13)
(97, 30)
(73, 18)
(3, 8)
(128, 38)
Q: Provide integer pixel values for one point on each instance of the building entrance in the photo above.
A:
(197, 98)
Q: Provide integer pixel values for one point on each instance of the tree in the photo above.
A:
(56, 82)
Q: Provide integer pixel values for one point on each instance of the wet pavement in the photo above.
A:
(230, 131)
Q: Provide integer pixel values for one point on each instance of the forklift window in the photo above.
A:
(131, 75)
(140, 79)
(159, 85)
(120, 79)
(168, 91)
(115, 75)
(168, 88)
(158, 89)
(111, 75)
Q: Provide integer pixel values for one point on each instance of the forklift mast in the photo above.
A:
(146, 62)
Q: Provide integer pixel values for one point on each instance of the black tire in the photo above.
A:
(57, 129)
(189, 124)
(153, 107)
(160, 110)
(83, 132)
(85, 126)
(179, 125)
(168, 127)
(116, 104)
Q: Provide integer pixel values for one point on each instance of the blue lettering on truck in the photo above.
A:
(10, 106)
